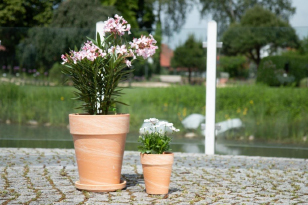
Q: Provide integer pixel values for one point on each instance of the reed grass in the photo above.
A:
(278, 114)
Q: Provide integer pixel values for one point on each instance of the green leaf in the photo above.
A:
(99, 39)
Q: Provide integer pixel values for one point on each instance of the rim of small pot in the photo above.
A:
(157, 159)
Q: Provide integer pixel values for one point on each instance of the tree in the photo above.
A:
(16, 16)
(144, 15)
(174, 18)
(81, 14)
(26, 13)
(126, 8)
(71, 23)
(138, 13)
(226, 12)
(174, 14)
(190, 55)
(258, 27)
(304, 46)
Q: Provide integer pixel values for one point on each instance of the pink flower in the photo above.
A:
(64, 58)
(88, 51)
(117, 25)
(131, 54)
(128, 63)
(144, 46)
(121, 50)
(111, 49)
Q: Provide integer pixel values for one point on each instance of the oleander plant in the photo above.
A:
(100, 65)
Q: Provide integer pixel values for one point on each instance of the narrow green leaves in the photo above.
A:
(154, 143)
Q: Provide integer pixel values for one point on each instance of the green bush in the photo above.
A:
(282, 70)
(140, 69)
(304, 83)
(234, 65)
(55, 73)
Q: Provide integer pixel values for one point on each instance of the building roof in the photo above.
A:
(2, 48)
(165, 56)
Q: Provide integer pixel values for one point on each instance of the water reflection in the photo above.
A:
(50, 137)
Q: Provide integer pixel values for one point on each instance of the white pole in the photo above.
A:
(99, 29)
(210, 88)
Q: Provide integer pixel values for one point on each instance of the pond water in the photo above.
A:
(13, 135)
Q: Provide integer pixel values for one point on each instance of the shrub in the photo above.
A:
(282, 70)
(234, 65)
(304, 83)
(55, 73)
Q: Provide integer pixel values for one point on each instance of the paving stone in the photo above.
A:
(196, 178)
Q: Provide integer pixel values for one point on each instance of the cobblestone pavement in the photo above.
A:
(47, 176)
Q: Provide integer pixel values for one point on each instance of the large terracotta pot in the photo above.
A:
(99, 142)
(157, 172)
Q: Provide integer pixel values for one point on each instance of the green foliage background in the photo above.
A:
(258, 27)
(272, 67)
(190, 55)
(231, 11)
(69, 27)
(268, 113)
(234, 65)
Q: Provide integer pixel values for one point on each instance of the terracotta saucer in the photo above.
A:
(101, 188)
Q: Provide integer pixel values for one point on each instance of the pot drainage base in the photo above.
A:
(101, 188)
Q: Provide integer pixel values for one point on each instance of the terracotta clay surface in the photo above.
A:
(101, 188)
(99, 124)
(157, 172)
(99, 155)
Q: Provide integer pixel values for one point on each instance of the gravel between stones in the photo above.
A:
(47, 176)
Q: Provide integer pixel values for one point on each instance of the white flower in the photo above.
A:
(174, 129)
(163, 123)
(152, 120)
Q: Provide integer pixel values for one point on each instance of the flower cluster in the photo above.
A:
(89, 51)
(117, 25)
(144, 46)
(158, 126)
(154, 137)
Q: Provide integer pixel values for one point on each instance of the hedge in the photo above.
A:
(282, 70)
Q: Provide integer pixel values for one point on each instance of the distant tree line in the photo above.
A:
(36, 33)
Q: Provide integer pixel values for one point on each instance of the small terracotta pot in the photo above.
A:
(157, 172)
(99, 142)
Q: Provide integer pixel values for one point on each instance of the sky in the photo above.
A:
(300, 18)
(194, 24)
